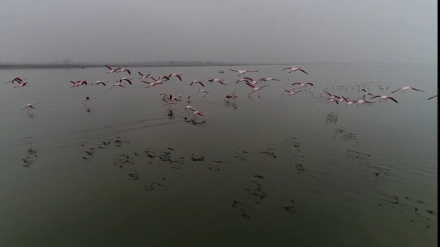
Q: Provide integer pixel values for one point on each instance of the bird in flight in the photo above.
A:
(241, 72)
(293, 69)
(403, 89)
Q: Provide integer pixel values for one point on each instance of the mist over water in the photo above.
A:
(282, 170)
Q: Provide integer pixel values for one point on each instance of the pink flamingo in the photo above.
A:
(22, 84)
(230, 96)
(126, 79)
(403, 89)
(217, 80)
(302, 84)
(241, 72)
(98, 82)
(432, 97)
(150, 84)
(30, 106)
(268, 79)
(293, 69)
(240, 80)
(112, 70)
(16, 79)
(179, 76)
(143, 76)
(365, 93)
(291, 91)
(125, 70)
(363, 102)
(199, 82)
(384, 97)
(250, 80)
(349, 102)
(78, 83)
(118, 84)
(333, 100)
(255, 88)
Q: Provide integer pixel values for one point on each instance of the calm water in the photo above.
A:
(274, 170)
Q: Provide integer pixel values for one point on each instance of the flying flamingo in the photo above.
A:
(16, 79)
(126, 79)
(125, 70)
(194, 112)
(98, 82)
(382, 88)
(365, 93)
(118, 84)
(199, 82)
(173, 98)
(240, 80)
(362, 102)
(403, 89)
(112, 70)
(255, 88)
(332, 96)
(349, 102)
(432, 97)
(161, 78)
(333, 100)
(250, 80)
(30, 106)
(22, 84)
(230, 96)
(78, 83)
(150, 84)
(158, 81)
(143, 76)
(293, 69)
(268, 79)
(204, 92)
(176, 75)
(291, 91)
(217, 80)
(302, 84)
(384, 97)
(241, 72)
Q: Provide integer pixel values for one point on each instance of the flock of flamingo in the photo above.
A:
(169, 99)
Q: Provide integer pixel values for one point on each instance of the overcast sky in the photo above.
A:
(272, 31)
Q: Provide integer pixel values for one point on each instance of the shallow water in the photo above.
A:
(275, 169)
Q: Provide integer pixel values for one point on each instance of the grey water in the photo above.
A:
(268, 170)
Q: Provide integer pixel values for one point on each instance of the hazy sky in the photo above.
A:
(273, 31)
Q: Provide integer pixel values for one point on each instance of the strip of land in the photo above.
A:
(136, 64)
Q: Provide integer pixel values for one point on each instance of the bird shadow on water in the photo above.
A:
(29, 160)
(231, 104)
(406, 204)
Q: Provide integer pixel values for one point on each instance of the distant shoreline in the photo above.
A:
(82, 66)
(164, 64)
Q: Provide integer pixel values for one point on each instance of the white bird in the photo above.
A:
(99, 82)
(403, 89)
(293, 69)
(30, 106)
(143, 76)
(384, 97)
(125, 70)
(217, 80)
(255, 88)
(241, 72)
(199, 82)
(112, 70)
(176, 75)
(302, 84)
